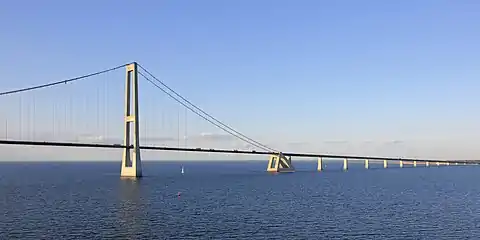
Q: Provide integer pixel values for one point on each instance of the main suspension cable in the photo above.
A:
(245, 139)
(258, 144)
(60, 82)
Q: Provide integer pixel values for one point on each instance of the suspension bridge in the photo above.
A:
(62, 114)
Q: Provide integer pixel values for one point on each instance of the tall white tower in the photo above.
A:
(131, 161)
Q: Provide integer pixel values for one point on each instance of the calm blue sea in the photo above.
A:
(237, 200)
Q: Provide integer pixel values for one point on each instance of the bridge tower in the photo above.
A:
(131, 161)
(320, 164)
(280, 163)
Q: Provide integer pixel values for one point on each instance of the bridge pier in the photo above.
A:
(414, 163)
(385, 163)
(280, 163)
(401, 164)
(320, 164)
(366, 163)
(345, 164)
(131, 161)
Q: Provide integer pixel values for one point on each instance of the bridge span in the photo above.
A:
(279, 161)
(321, 157)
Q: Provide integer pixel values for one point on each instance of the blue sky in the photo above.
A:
(281, 71)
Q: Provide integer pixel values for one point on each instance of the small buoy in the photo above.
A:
(178, 194)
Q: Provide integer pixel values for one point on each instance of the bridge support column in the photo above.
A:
(345, 164)
(385, 163)
(280, 163)
(131, 161)
(366, 163)
(401, 163)
(320, 164)
(414, 163)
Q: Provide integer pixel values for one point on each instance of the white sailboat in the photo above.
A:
(183, 170)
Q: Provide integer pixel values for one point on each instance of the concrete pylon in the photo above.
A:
(131, 161)
(320, 164)
(280, 163)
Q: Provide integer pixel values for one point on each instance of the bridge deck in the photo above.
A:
(211, 150)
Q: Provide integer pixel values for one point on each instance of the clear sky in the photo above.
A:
(368, 77)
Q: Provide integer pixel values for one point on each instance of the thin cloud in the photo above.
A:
(336, 142)
(297, 144)
(96, 139)
(215, 137)
(159, 139)
(393, 142)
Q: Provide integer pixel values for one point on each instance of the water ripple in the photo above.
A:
(436, 203)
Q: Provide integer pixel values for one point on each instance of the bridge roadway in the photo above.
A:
(179, 149)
